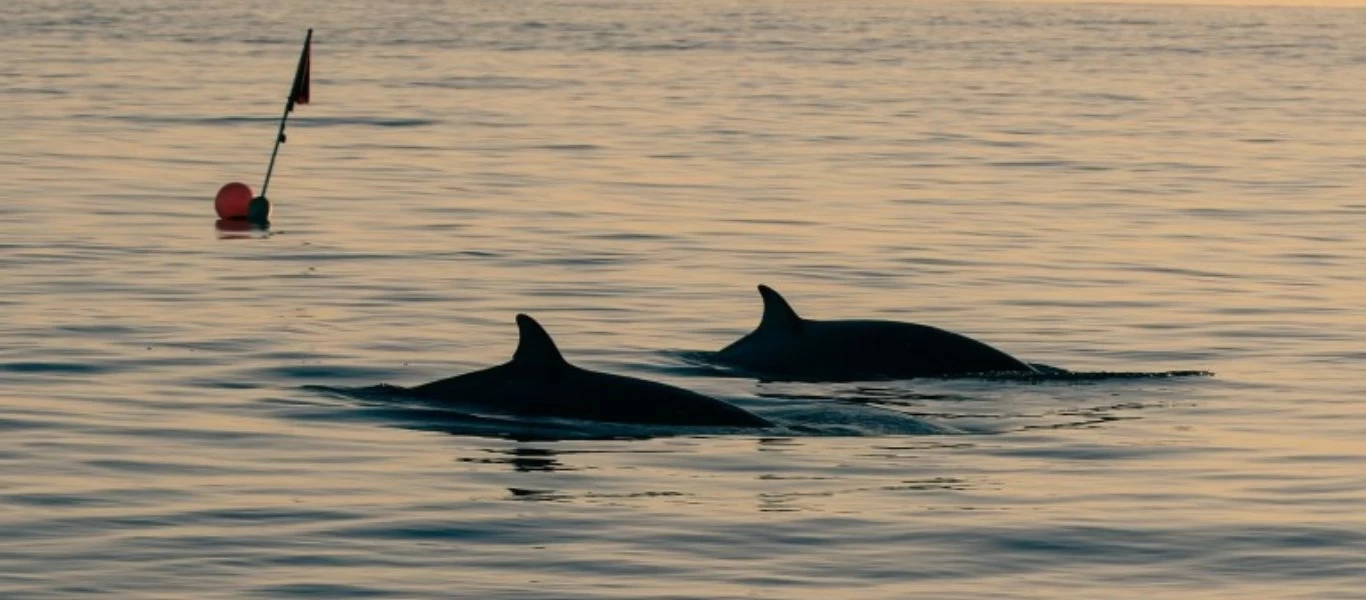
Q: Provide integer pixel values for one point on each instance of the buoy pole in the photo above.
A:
(279, 137)
(298, 94)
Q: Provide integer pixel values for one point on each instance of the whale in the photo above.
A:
(786, 346)
(539, 382)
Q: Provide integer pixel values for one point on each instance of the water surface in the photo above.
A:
(1096, 187)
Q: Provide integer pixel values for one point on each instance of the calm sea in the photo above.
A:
(1095, 187)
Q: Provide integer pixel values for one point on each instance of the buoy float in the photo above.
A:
(258, 210)
(233, 201)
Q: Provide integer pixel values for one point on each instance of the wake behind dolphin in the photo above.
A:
(539, 382)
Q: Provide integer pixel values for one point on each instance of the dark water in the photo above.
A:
(1103, 188)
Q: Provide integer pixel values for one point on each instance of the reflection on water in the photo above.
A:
(234, 229)
(523, 459)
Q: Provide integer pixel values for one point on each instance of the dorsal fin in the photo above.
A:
(778, 315)
(534, 346)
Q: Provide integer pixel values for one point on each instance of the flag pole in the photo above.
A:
(298, 93)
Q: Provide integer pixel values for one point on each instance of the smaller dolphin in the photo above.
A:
(788, 347)
(538, 382)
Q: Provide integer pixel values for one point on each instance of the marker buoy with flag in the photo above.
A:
(235, 200)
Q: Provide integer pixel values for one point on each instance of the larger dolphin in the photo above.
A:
(786, 346)
(538, 382)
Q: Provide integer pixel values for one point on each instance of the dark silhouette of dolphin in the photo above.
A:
(538, 382)
(788, 347)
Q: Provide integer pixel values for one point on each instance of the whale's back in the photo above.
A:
(570, 392)
(866, 349)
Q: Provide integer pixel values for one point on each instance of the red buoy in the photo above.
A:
(232, 201)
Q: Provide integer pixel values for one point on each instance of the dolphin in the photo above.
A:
(538, 382)
(787, 347)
